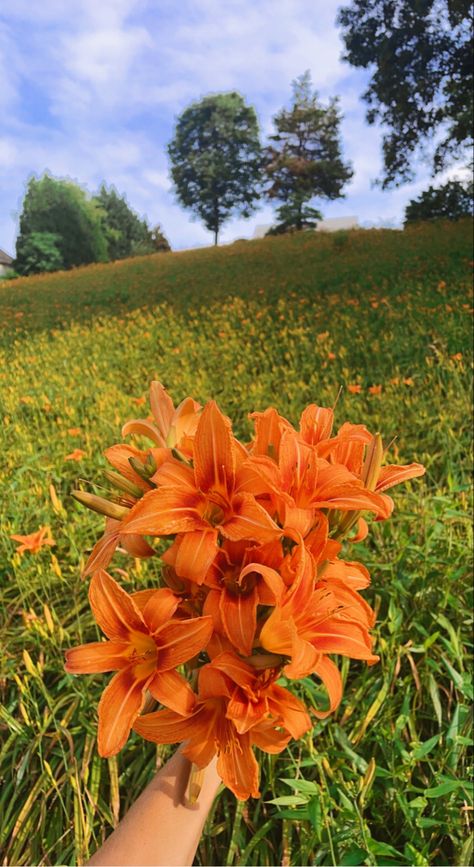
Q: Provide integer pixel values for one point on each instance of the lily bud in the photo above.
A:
(264, 660)
(123, 484)
(143, 470)
(101, 505)
(373, 462)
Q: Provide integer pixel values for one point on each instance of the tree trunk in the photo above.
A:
(216, 235)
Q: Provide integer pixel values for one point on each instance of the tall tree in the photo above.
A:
(61, 211)
(215, 158)
(304, 158)
(420, 55)
(451, 201)
(126, 233)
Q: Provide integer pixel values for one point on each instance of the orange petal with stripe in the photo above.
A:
(289, 709)
(331, 677)
(159, 608)
(181, 640)
(98, 656)
(119, 706)
(214, 452)
(163, 512)
(171, 689)
(114, 610)
(249, 521)
(239, 616)
(195, 554)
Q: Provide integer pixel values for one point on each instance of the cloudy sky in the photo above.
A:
(90, 90)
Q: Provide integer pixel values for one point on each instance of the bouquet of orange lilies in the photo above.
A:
(253, 584)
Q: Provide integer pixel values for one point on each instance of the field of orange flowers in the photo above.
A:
(287, 322)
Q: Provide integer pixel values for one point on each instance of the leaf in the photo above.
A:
(354, 857)
(444, 788)
(288, 801)
(305, 786)
(423, 749)
(315, 815)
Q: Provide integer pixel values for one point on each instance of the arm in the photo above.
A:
(161, 827)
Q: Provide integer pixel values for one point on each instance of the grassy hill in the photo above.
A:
(281, 321)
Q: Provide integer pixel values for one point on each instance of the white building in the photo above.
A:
(332, 224)
(6, 263)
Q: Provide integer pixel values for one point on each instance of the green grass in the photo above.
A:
(387, 779)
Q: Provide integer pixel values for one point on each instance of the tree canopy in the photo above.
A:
(451, 201)
(420, 56)
(304, 158)
(58, 214)
(125, 232)
(216, 158)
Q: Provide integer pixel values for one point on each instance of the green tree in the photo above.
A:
(61, 208)
(215, 158)
(304, 158)
(452, 201)
(126, 233)
(40, 253)
(420, 55)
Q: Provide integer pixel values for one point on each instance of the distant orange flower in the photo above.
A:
(34, 541)
(74, 431)
(331, 356)
(354, 389)
(375, 389)
(76, 455)
(408, 381)
(139, 401)
(457, 356)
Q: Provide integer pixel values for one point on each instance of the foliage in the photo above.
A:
(40, 253)
(420, 56)
(452, 201)
(305, 159)
(127, 235)
(60, 208)
(215, 158)
(387, 781)
(156, 242)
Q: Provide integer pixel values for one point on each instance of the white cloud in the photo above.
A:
(92, 89)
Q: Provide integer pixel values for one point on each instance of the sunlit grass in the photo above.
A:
(283, 321)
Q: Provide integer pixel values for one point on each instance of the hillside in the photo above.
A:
(285, 321)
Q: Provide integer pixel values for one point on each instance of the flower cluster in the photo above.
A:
(253, 582)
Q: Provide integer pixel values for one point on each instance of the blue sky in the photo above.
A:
(90, 90)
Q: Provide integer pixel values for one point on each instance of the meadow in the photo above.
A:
(387, 315)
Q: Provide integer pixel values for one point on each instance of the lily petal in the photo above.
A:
(239, 617)
(114, 610)
(119, 706)
(171, 689)
(181, 640)
(160, 608)
(214, 453)
(331, 677)
(98, 656)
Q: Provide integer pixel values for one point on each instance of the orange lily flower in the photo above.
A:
(201, 501)
(33, 541)
(315, 620)
(224, 722)
(241, 578)
(304, 483)
(171, 428)
(144, 647)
